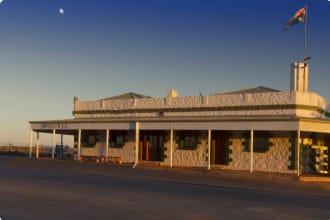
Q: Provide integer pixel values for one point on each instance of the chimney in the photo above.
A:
(172, 93)
(299, 77)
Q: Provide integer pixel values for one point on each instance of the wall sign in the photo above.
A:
(53, 125)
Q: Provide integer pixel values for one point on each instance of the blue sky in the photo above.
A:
(103, 48)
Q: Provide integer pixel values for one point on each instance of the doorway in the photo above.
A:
(152, 145)
(220, 148)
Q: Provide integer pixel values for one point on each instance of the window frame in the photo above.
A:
(259, 138)
(260, 144)
(188, 140)
(115, 136)
(89, 139)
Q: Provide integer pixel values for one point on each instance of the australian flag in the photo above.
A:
(299, 17)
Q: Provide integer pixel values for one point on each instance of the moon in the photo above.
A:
(61, 10)
(1, 1)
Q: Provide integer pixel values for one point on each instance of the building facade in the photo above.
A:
(258, 129)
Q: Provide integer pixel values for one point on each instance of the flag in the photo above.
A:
(299, 16)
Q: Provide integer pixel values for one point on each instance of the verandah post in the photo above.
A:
(107, 146)
(79, 143)
(298, 152)
(37, 150)
(137, 138)
(209, 150)
(31, 139)
(53, 144)
(251, 151)
(171, 147)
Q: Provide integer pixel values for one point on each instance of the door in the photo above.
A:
(220, 148)
(152, 146)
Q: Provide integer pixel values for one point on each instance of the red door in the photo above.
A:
(220, 148)
(152, 146)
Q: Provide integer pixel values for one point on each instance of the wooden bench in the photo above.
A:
(88, 158)
(115, 160)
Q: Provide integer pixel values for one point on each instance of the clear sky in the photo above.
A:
(102, 48)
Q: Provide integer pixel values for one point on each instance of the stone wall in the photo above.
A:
(126, 153)
(276, 159)
(240, 159)
(98, 150)
(167, 152)
(191, 158)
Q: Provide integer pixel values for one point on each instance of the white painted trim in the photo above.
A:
(298, 152)
(251, 151)
(234, 125)
(31, 142)
(209, 150)
(313, 126)
(37, 146)
(53, 144)
(107, 145)
(79, 145)
(91, 125)
(222, 125)
(171, 146)
(137, 138)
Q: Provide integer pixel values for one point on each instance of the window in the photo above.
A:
(190, 141)
(117, 139)
(89, 139)
(92, 140)
(187, 140)
(260, 144)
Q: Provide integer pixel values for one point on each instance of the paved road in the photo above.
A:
(66, 190)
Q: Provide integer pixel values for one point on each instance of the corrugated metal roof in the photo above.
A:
(129, 95)
(259, 89)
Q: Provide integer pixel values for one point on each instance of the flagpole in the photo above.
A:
(301, 16)
(305, 47)
(305, 35)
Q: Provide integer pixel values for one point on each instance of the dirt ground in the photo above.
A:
(59, 189)
(239, 179)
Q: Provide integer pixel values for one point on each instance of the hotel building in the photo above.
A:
(257, 129)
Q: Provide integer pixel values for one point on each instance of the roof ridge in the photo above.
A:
(128, 95)
(257, 89)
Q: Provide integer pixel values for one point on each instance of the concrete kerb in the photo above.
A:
(320, 179)
(261, 176)
(244, 174)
